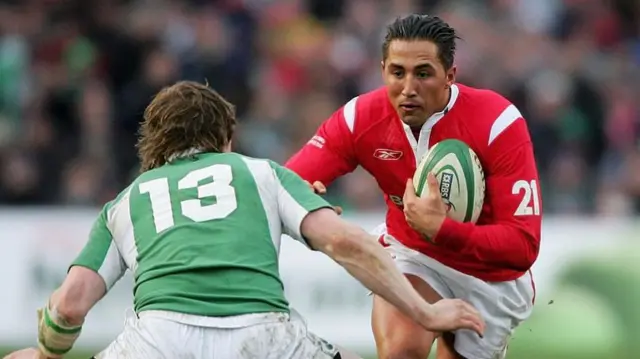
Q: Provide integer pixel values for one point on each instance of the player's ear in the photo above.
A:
(451, 75)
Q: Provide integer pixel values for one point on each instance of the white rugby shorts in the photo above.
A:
(503, 305)
(166, 335)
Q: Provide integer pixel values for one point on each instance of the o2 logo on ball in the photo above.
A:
(446, 180)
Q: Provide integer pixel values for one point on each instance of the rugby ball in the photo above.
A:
(460, 178)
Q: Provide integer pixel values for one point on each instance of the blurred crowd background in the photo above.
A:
(76, 75)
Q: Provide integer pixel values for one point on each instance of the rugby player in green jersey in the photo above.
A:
(200, 230)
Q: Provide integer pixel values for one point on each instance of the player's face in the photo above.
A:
(417, 83)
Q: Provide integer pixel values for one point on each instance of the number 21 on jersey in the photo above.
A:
(530, 203)
(220, 188)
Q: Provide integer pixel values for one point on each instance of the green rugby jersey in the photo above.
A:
(202, 235)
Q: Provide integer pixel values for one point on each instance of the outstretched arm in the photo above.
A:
(308, 218)
(363, 257)
(60, 321)
(96, 269)
(80, 291)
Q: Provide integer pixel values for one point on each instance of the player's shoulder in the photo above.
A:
(366, 109)
(262, 169)
(485, 100)
(268, 173)
(256, 161)
(121, 200)
(372, 99)
(492, 113)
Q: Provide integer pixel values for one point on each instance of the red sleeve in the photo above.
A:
(329, 154)
(512, 238)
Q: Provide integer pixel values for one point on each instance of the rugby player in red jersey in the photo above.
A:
(387, 131)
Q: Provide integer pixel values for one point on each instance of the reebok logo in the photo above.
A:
(316, 141)
(387, 155)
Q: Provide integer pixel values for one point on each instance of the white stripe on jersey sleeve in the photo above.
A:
(349, 113)
(123, 245)
(113, 267)
(263, 176)
(292, 214)
(502, 122)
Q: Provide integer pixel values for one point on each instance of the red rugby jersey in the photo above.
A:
(367, 131)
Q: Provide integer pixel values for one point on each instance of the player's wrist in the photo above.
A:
(431, 228)
(451, 233)
(426, 315)
(55, 336)
(42, 355)
(437, 222)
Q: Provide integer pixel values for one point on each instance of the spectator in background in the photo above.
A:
(75, 76)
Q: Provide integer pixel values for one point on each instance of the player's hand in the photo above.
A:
(425, 215)
(28, 353)
(453, 314)
(319, 188)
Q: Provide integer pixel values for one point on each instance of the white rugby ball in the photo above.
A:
(460, 176)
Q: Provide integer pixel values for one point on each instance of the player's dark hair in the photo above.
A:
(182, 117)
(423, 27)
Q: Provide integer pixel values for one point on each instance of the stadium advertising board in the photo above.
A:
(37, 245)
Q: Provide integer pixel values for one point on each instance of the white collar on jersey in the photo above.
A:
(187, 153)
(455, 91)
(421, 145)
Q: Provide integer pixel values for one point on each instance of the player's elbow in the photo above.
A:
(329, 234)
(342, 246)
(528, 254)
(334, 242)
(337, 244)
(352, 244)
(532, 254)
(323, 230)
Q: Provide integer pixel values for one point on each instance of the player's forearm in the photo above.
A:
(501, 244)
(60, 320)
(363, 257)
(80, 291)
(311, 171)
(313, 164)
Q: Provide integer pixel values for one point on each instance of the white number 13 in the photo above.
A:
(220, 188)
(530, 204)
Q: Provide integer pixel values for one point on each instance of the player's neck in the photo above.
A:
(183, 154)
(444, 102)
(442, 106)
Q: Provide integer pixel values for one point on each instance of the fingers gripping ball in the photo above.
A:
(460, 177)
